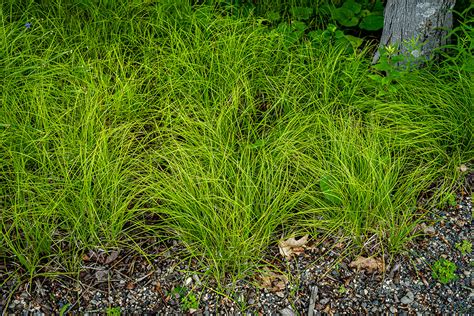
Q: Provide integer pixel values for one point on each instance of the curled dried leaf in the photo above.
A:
(368, 264)
(292, 246)
(273, 281)
(112, 257)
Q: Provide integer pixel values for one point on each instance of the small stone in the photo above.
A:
(408, 298)
(429, 230)
(196, 279)
(188, 281)
(324, 301)
(251, 301)
(288, 311)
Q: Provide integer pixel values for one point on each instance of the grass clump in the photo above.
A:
(172, 122)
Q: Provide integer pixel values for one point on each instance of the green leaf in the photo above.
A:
(339, 34)
(301, 13)
(341, 14)
(273, 16)
(298, 26)
(354, 40)
(372, 23)
(331, 28)
(353, 6)
(345, 17)
(375, 77)
(378, 6)
(315, 35)
(383, 65)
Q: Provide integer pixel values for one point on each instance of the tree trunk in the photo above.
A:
(416, 27)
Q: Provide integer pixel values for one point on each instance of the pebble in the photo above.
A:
(324, 301)
(188, 281)
(287, 311)
(408, 298)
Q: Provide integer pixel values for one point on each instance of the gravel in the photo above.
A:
(320, 281)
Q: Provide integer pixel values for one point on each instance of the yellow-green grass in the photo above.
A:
(213, 127)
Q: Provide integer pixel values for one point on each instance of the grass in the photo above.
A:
(162, 121)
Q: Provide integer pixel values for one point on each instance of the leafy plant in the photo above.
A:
(335, 36)
(452, 199)
(393, 66)
(190, 302)
(444, 271)
(301, 13)
(291, 32)
(460, 50)
(465, 247)
(186, 297)
(367, 15)
(113, 311)
(342, 289)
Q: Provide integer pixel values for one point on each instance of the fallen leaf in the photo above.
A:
(274, 282)
(328, 310)
(157, 287)
(292, 246)
(369, 264)
(130, 286)
(102, 275)
(112, 257)
(428, 230)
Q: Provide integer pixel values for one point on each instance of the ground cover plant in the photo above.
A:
(171, 121)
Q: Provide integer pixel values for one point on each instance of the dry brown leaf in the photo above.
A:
(292, 246)
(102, 275)
(112, 257)
(328, 310)
(427, 230)
(157, 287)
(369, 264)
(274, 282)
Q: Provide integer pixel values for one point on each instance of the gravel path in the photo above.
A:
(317, 280)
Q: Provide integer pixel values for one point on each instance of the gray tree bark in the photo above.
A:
(424, 22)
